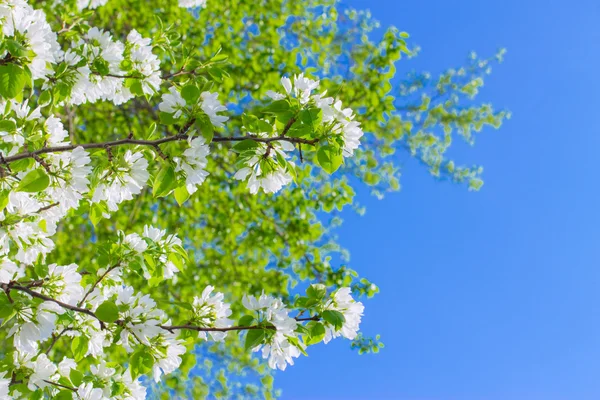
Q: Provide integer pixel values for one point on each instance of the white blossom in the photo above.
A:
(63, 283)
(211, 312)
(56, 131)
(10, 271)
(172, 103)
(352, 310)
(193, 163)
(69, 180)
(87, 391)
(141, 317)
(4, 386)
(279, 348)
(65, 366)
(144, 62)
(29, 27)
(211, 106)
(43, 371)
(127, 180)
(169, 358)
(263, 170)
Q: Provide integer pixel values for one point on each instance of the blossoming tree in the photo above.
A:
(164, 171)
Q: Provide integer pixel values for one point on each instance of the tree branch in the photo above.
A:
(10, 286)
(151, 143)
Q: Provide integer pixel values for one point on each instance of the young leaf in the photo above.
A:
(246, 320)
(79, 347)
(190, 94)
(316, 332)
(316, 291)
(141, 363)
(12, 80)
(165, 181)
(335, 318)
(6, 307)
(181, 194)
(254, 337)
(329, 158)
(76, 377)
(246, 144)
(35, 181)
(7, 125)
(108, 312)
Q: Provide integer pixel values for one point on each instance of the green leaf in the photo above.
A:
(254, 337)
(35, 181)
(329, 158)
(165, 181)
(12, 80)
(316, 333)
(64, 394)
(15, 48)
(101, 66)
(45, 98)
(136, 88)
(190, 94)
(184, 305)
(6, 307)
(299, 130)
(76, 377)
(335, 318)
(96, 213)
(151, 131)
(141, 363)
(79, 347)
(244, 145)
(316, 291)
(167, 118)
(7, 125)
(219, 58)
(246, 320)
(181, 194)
(278, 106)
(108, 312)
(205, 127)
(22, 165)
(4, 199)
(312, 117)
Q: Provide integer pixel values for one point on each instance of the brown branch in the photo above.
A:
(61, 385)
(91, 289)
(153, 143)
(10, 286)
(56, 337)
(287, 126)
(171, 328)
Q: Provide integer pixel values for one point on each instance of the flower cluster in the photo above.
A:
(209, 310)
(29, 39)
(98, 65)
(281, 344)
(338, 120)
(99, 306)
(206, 103)
(192, 163)
(125, 177)
(301, 117)
(265, 165)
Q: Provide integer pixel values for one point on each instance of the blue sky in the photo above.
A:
(495, 294)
